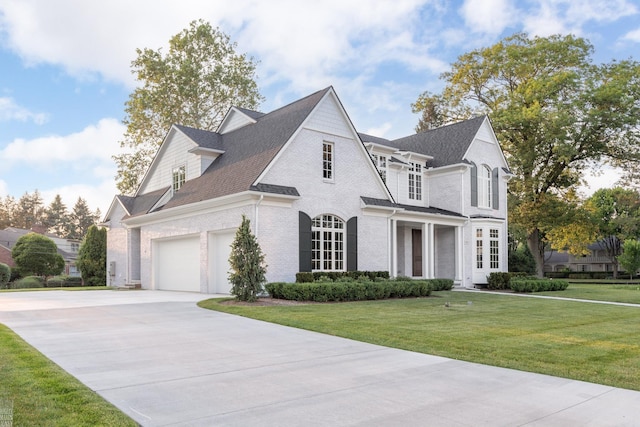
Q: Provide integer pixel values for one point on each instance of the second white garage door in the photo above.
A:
(177, 264)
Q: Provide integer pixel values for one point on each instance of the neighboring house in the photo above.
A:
(597, 260)
(68, 248)
(320, 197)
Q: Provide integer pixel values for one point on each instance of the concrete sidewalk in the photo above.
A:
(164, 361)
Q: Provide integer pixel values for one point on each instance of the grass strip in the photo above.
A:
(570, 339)
(43, 394)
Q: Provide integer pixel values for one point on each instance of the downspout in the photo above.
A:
(256, 213)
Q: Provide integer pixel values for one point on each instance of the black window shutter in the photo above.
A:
(304, 241)
(495, 196)
(474, 185)
(352, 244)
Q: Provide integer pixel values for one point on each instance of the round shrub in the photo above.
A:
(28, 282)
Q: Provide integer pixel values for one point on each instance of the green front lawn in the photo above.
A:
(43, 394)
(601, 292)
(584, 341)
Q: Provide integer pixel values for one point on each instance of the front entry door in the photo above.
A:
(416, 244)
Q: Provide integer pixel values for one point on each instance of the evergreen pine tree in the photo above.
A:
(248, 271)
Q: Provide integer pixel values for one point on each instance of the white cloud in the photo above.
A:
(633, 36)
(95, 143)
(98, 196)
(549, 17)
(9, 110)
(488, 16)
(82, 159)
(4, 188)
(303, 43)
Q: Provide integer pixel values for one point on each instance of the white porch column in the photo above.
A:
(459, 261)
(431, 251)
(426, 254)
(393, 247)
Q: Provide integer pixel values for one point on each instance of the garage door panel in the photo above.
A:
(178, 264)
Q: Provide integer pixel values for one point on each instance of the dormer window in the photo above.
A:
(381, 164)
(179, 174)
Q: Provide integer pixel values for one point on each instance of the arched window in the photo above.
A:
(484, 187)
(327, 243)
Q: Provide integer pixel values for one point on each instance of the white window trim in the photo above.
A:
(337, 255)
(176, 185)
(484, 187)
(414, 184)
(328, 166)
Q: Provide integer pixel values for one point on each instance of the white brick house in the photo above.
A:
(320, 197)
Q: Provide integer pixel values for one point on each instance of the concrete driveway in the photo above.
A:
(164, 361)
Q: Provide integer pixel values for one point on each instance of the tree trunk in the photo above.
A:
(533, 242)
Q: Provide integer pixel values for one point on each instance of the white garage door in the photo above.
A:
(220, 248)
(177, 264)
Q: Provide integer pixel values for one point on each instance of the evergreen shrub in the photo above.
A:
(538, 285)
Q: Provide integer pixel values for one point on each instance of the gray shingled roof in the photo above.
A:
(447, 144)
(253, 114)
(143, 203)
(247, 152)
(370, 201)
(201, 137)
(250, 149)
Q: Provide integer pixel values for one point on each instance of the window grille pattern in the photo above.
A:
(327, 160)
(415, 181)
(179, 177)
(327, 243)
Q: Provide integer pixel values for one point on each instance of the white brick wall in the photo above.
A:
(117, 244)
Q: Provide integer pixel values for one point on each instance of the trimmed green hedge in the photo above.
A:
(356, 290)
(64, 281)
(348, 291)
(538, 285)
(325, 276)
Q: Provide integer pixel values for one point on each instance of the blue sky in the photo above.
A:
(65, 66)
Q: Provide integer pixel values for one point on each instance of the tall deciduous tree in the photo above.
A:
(37, 254)
(194, 84)
(615, 214)
(630, 257)
(92, 257)
(555, 114)
(246, 260)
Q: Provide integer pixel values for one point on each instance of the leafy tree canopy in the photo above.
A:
(554, 112)
(193, 84)
(38, 255)
(630, 258)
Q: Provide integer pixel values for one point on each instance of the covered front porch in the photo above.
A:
(427, 248)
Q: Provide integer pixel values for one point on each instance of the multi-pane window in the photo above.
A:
(327, 243)
(415, 181)
(484, 187)
(479, 263)
(494, 248)
(327, 160)
(381, 164)
(179, 174)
